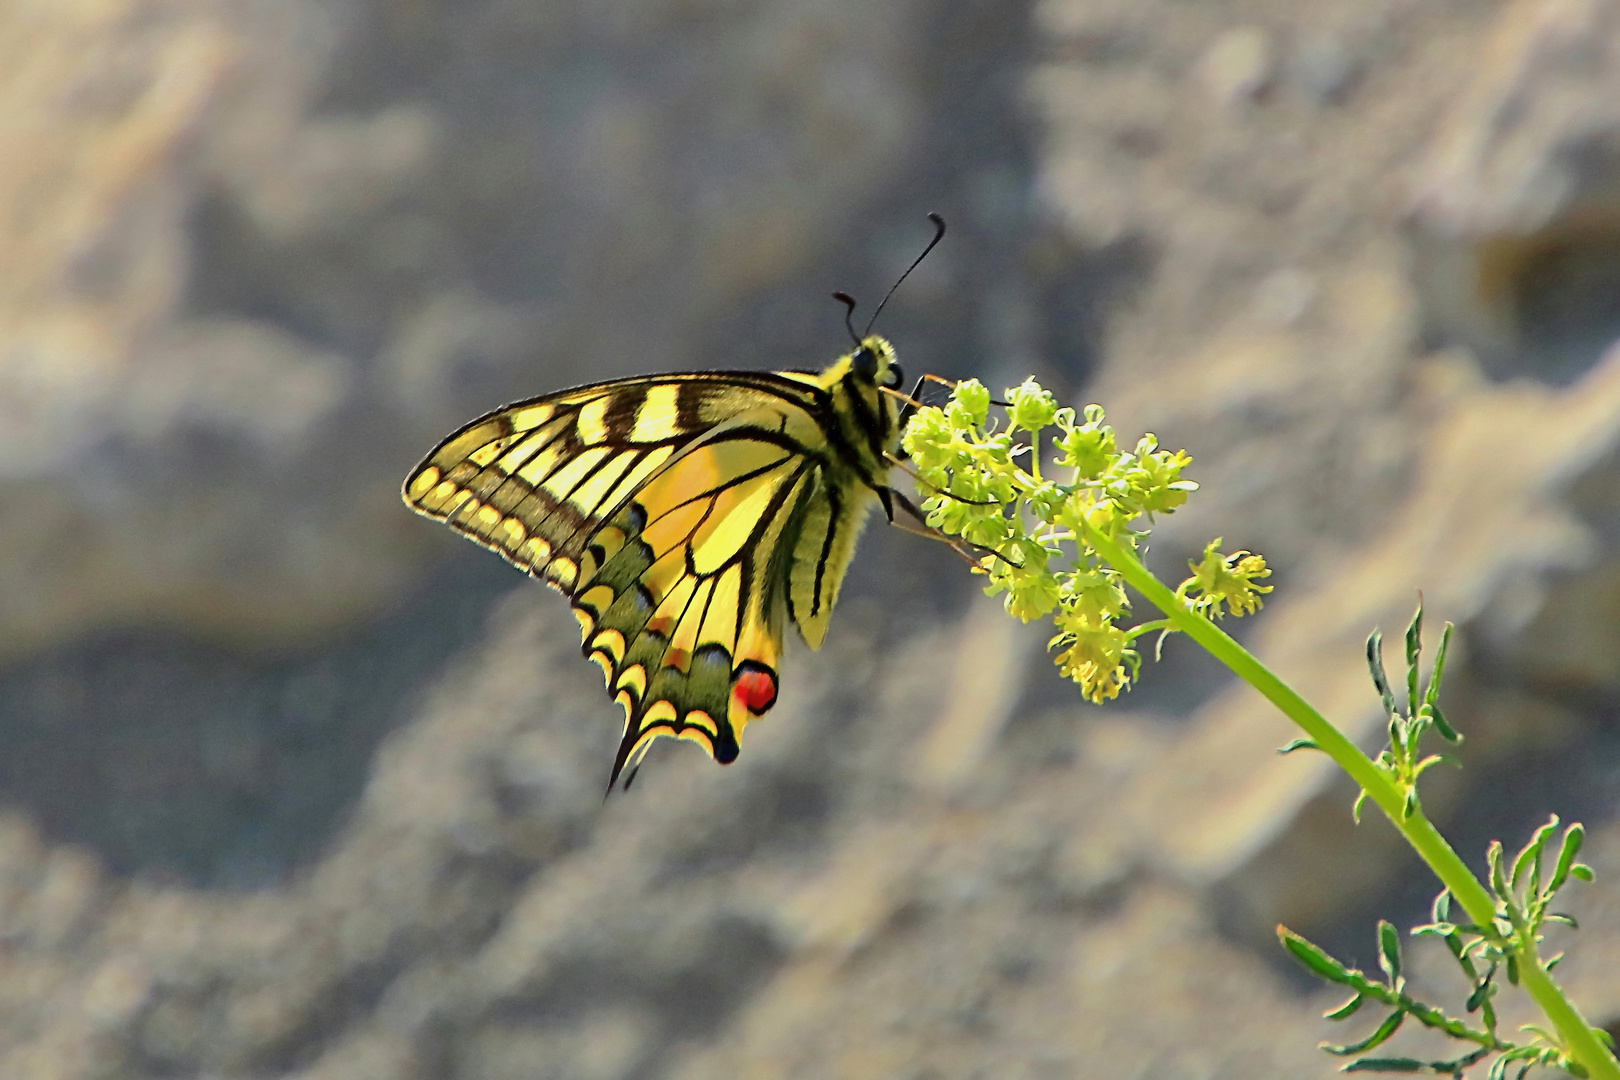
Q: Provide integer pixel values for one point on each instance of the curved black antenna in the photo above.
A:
(939, 234)
(849, 314)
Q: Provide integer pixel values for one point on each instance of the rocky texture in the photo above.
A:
(1515, 222)
(299, 787)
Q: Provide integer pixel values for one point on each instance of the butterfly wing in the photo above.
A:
(672, 510)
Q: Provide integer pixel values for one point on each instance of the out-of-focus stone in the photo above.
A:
(1237, 66)
(1514, 227)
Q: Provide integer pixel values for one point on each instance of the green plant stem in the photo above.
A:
(1579, 1038)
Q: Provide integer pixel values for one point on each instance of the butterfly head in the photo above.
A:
(874, 363)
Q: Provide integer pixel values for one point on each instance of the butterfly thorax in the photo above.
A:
(863, 420)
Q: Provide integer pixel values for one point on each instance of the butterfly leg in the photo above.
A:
(910, 403)
(914, 521)
(895, 459)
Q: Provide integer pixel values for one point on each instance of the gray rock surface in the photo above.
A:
(295, 785)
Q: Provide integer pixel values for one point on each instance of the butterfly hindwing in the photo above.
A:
(686, 517)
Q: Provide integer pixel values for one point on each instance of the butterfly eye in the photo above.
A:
(864, 363)
(895, 377)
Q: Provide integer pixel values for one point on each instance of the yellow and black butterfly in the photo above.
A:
(687, 517)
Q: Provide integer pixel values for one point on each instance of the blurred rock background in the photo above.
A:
(297, 785)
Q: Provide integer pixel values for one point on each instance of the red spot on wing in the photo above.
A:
(754, 686)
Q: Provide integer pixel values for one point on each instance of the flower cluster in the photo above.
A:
(986, 486)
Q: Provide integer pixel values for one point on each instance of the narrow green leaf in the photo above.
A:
(1455, 1066)
(1582, 871)
(1387, 1065)
(1482, 993)
(1298, 744)
(1493, 856)
(1433, 929)
(1432, 694)
(1409, 807)
(1561, 917)
(1543, 835)
(1574, 836)
(1513, 969)
(1375, 665)
(1531, 851)
(1441, 908)
(1389, 953)
(1442, 725)
(1361, 797)
(1377, 1038)
(1553, 961)
(1435, 759)
(1314, 959)
(1414, 648)
(1347, 1010)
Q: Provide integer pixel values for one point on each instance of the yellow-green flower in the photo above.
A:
(1226, 579)
(1095, 656)
(984, 486)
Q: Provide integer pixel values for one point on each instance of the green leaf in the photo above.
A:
(1455, 1066)
(1531, 854)
(1377, 1038)
(1389, 953)
(1432, 694)
(1582, 871)
(1355, 812)
(1347, 1010)
(1493, 856)
(1387, 1065)
(1482, 993)
(1560, 917)
(1314, 959)
(1436, 759)
(1441, 724)
(1433, 929)
(1553, 961)
(1574, 836)
(1441, 908)
(1513, 969)
(1414, 648)
(1375, 665)
(1298, 744)
(1409, 807)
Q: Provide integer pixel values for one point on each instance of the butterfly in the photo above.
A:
(688, 518)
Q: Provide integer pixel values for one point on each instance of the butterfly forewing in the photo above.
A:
(684, 515)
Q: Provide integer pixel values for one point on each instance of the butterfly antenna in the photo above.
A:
(939, 234)
(849, 314)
